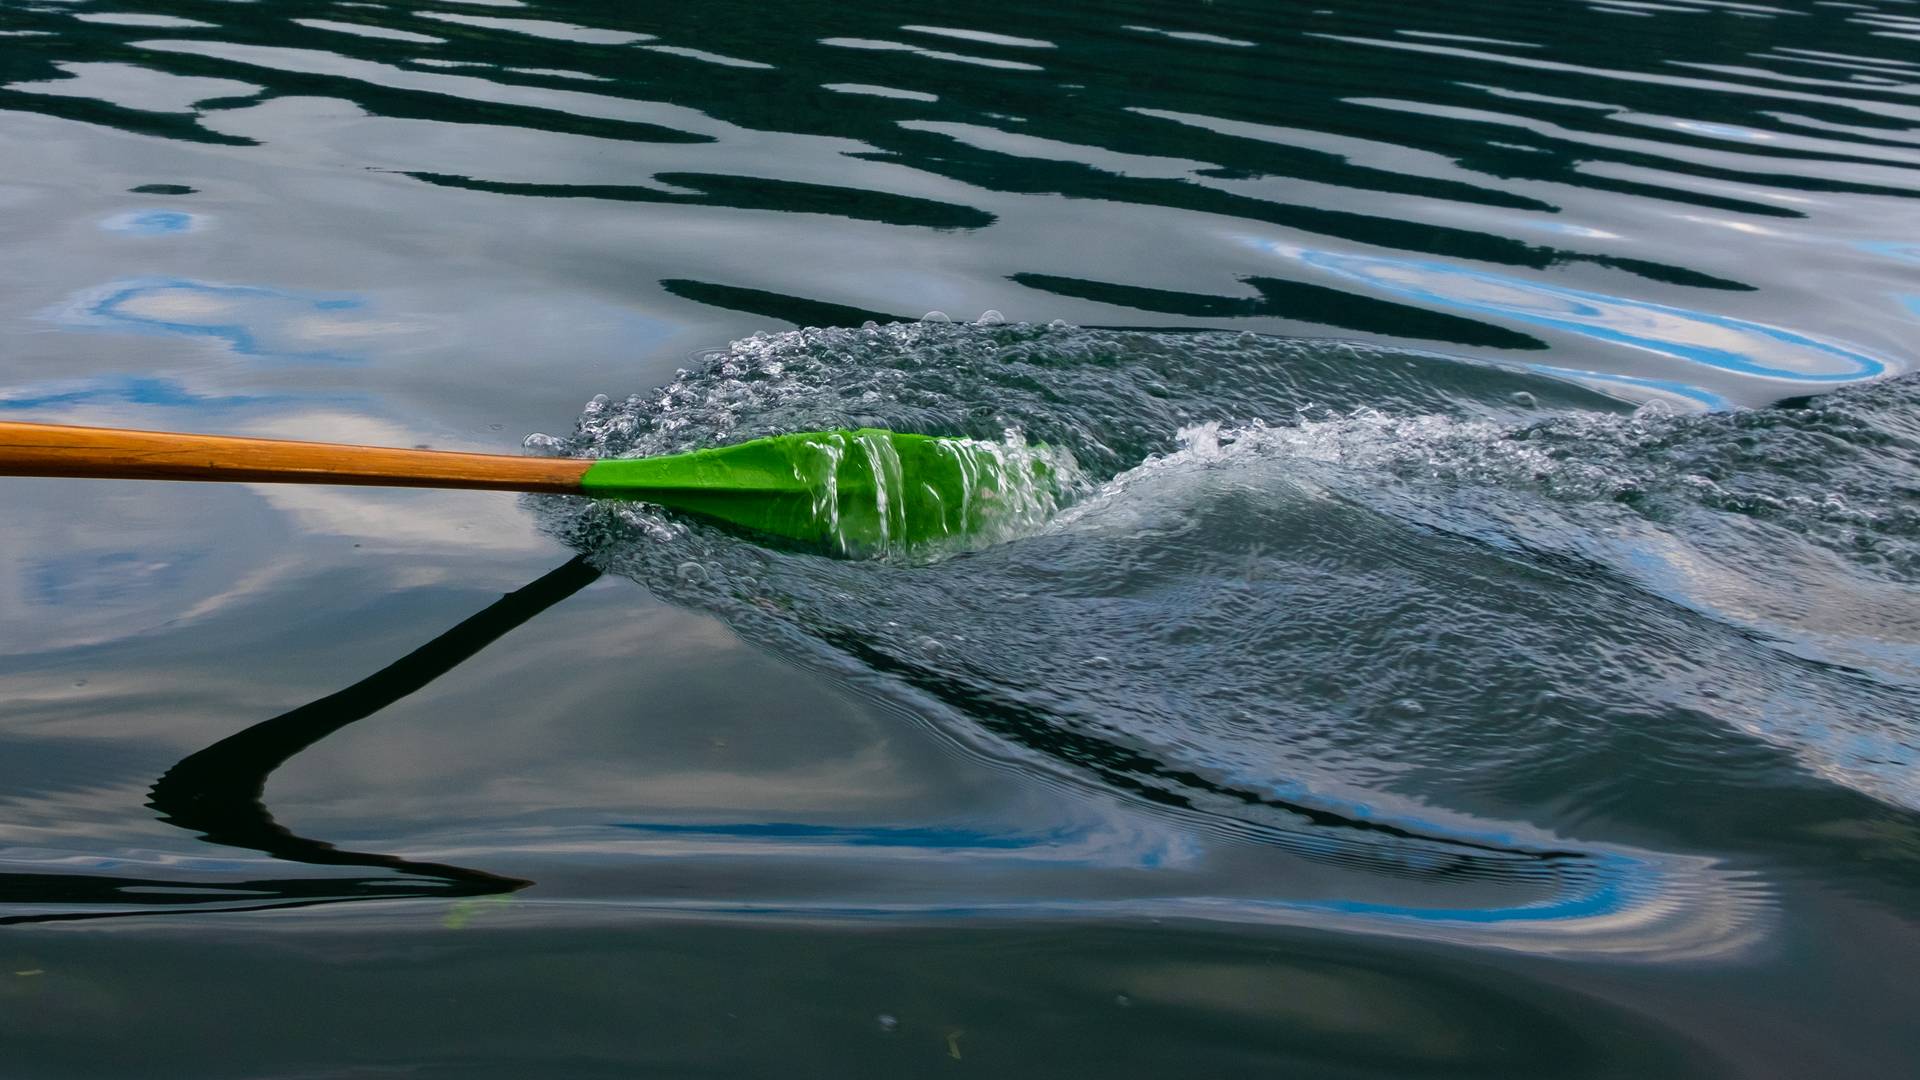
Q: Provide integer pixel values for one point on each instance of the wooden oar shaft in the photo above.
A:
(114, 453)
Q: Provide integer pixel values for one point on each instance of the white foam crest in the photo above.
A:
(1406, 447)
(1370, 446)
(1581, 457)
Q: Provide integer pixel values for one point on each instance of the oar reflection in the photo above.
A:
(217, 791)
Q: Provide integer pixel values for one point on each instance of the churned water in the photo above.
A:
(1456, 615)
(1321, 634)
(1344, 589)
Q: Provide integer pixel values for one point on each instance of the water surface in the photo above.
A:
(1482, 639)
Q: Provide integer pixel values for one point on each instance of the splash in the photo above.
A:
(1345, 605)
(1761, 562)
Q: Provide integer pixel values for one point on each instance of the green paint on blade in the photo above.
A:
(854, 492)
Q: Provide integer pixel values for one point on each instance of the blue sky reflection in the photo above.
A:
(1697, 337)
(151, 222)
(254, 321)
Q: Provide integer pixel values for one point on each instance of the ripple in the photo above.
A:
(983, 37)
(707, 57)
(132, 87)
(879, 91)
(369, 30)
(1194, 36)
(540, 28)
(129, 18)
(882, 45)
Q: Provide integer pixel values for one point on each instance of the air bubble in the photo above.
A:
(990, 317)
(936, 317)
(540, 444)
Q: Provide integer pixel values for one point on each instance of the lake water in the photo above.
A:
(1483, 639)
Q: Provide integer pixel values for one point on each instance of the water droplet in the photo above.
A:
(1406, 706)
(889, 1023)
(1122, 1000)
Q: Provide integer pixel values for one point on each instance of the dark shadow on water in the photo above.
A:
(1289, 299)
(216, 793)
(796, 310)
(745, 193)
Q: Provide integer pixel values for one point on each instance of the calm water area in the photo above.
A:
(1481, 639)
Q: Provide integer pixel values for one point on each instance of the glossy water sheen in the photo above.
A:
(1483, 640)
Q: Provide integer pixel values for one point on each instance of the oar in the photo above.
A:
(848, 490)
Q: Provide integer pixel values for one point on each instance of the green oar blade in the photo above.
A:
(852, 491)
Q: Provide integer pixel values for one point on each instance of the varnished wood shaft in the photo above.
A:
(114, 453)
